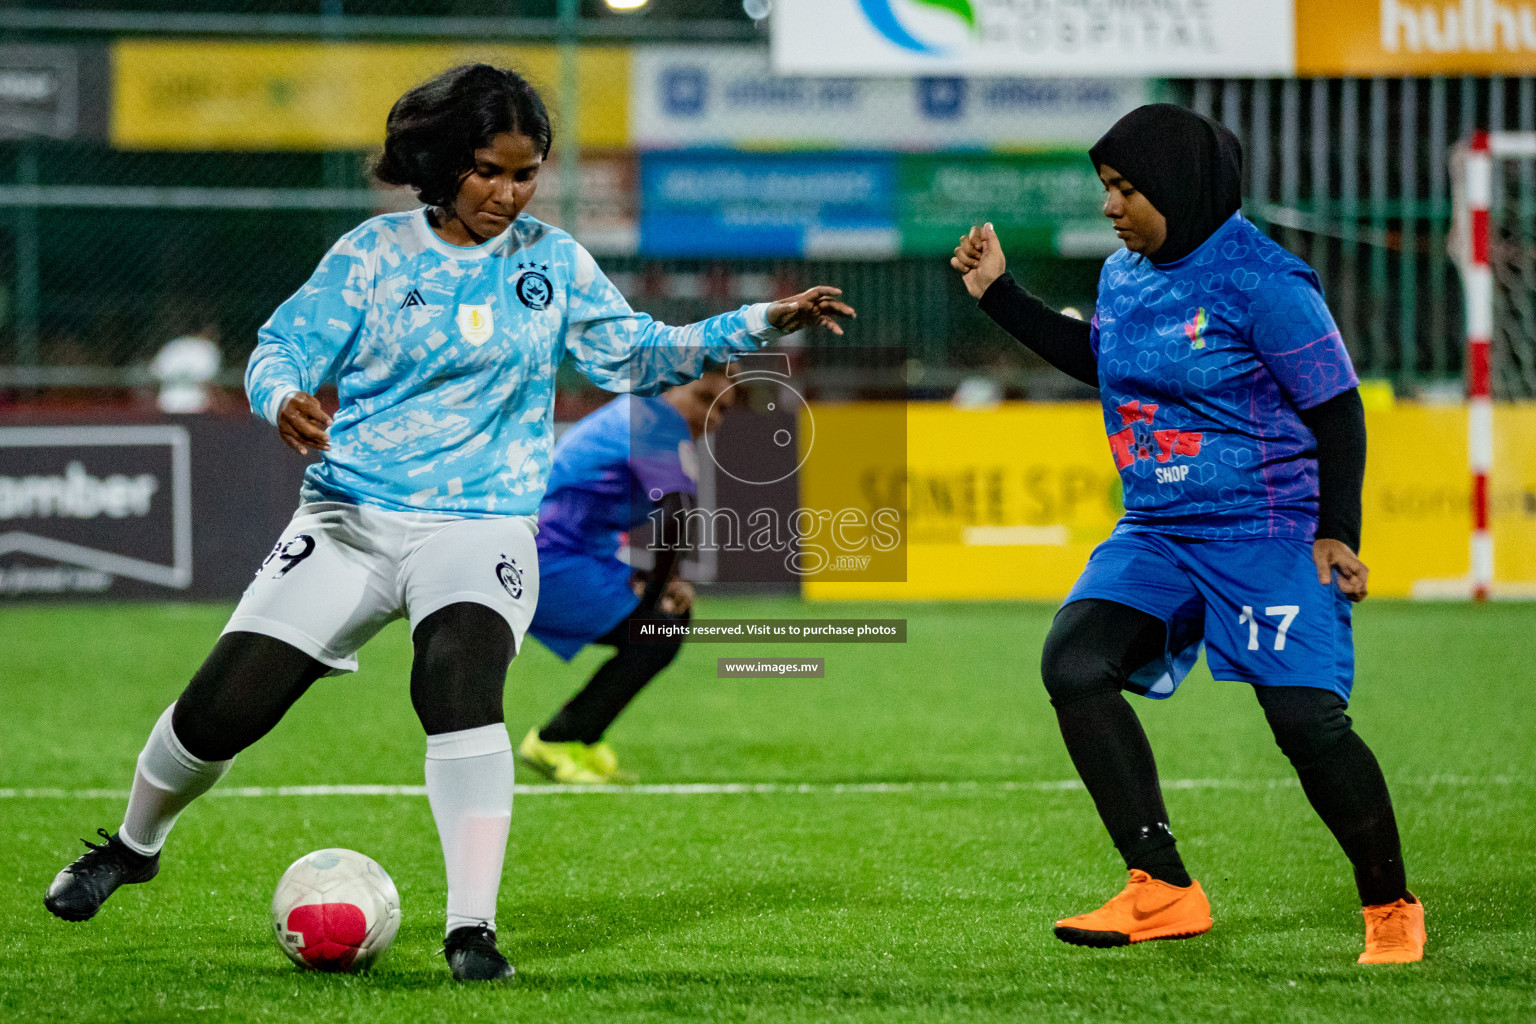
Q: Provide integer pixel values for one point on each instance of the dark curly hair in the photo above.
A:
(433, 131)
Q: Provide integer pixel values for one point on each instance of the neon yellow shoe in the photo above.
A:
(601, 760)
(558, 762)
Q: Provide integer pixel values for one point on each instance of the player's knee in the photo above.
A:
(652, 657)
(659, 656)
(1307, 721)
(1072, 668)
(244, 687)
(460, 668)
(465, 637)
(648, 658)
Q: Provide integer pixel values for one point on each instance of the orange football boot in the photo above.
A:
(1145, 909)
(1394, 932)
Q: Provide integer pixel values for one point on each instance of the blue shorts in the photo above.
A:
(1256, 605)
(581, 599)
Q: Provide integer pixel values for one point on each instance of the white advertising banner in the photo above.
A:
(1132, 38)
(729, 96)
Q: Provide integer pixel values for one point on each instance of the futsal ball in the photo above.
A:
(335, 910)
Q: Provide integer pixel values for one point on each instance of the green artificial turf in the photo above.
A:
(927, 903)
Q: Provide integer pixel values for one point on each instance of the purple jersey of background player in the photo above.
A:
(608, 472)
(1203, 364)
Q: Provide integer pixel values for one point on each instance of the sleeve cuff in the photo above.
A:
(758, 326)
(275, 404)
(995, 291)
(1349, 534)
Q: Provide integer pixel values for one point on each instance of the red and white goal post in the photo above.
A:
(1471, 246)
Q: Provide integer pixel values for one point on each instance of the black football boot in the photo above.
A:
(81, 888)
(472, 955)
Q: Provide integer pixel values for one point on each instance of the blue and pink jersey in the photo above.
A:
(609, 471)
(1204, 364)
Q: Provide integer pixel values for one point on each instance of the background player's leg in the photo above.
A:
(1090, 653)
(457, 678)
(586, 716)
(244, 687)
(1343, 781)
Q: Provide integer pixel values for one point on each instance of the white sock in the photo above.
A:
(166, 781)
(469, 785)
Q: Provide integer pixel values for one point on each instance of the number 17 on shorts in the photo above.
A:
(1297, 634)
(1287, 613)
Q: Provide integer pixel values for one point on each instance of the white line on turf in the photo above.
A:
(747, 788)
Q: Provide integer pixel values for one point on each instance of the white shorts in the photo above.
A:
(340, 573)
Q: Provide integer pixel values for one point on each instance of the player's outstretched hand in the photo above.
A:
(814, 307)
(302, 424)
(1330, 555)
(979, 258)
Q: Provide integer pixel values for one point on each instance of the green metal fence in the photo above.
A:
(1354, 176)
(105, 254)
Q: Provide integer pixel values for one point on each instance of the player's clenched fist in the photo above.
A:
(979, 257)
(302, 424)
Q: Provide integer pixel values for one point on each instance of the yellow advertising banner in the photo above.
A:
(316, 96)
(1415, 37)
(851, 524)
(1008, 503)
(1418, 501)
(1001, 503)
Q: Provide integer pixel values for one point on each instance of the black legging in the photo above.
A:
(250, 681)
(588, 715)
(1093, 648)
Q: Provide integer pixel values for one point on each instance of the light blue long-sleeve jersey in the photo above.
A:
(444, 360)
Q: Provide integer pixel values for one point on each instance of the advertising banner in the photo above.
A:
(1417, 502)
(1009, 502)
(1415, 37)
(160, 511)
(305, 95)
(1001, 503)
(752, 525)
(1047, 203)
(104, 501)
(730, 97)
(742, 204)
(1171, 38)
(867, 205)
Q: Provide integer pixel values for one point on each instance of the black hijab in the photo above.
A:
(1187, 166)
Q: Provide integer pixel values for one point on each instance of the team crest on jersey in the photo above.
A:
(475, 323)
(533, 288)
(511, 577)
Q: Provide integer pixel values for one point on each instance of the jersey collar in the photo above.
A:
(457, 252)
(1217, 237)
